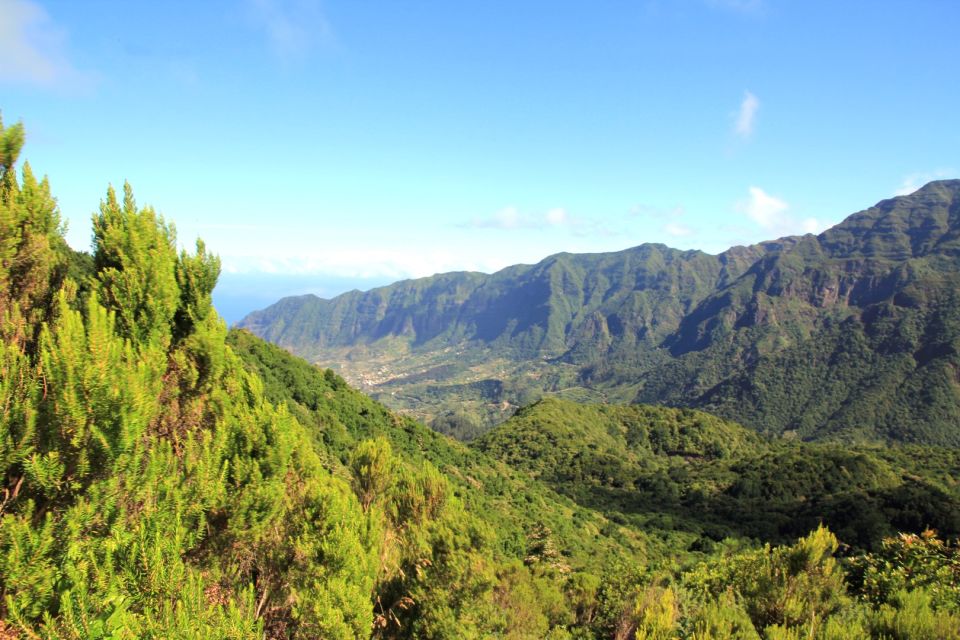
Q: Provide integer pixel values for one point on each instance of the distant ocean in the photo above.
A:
(237, 294)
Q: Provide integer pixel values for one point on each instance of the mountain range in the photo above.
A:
(851, 334)
(164, 477)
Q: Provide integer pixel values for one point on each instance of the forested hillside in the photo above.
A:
(161, 477)
(695, 486)
(152, 489)
(687, 470)
(851, 335)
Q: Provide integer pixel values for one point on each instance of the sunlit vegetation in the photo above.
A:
(161, 477)
(687, 470)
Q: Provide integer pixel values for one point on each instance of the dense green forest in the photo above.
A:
(686, 470)
(163, 477)
(852, 335)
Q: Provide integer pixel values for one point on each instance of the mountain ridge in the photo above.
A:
(682, 328)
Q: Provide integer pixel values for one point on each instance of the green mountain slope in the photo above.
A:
(340, 418)
(688, 470)
(490, 343)
(528, 310)
(851, 334)
(163, 478)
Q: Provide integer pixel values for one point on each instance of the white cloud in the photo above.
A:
(292, 27)
(914, 181)
(668, 216)
(772, 214)
(512, 218)
(557, 217)
(32, 48)
(506, 218)
(764, 209)
(812, 225)
(677, 230)
(747, 115)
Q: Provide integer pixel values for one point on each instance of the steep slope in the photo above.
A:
(851, 334)
(494, 342)
(529, 311)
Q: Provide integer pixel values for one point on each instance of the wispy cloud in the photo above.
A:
(668, 216)
(512, 218)
(293, 28)
(772, 214)
(557, 217)
(747, 115)
(914, 181)
(370, 262)
(657, 213)
(677, 230)
(32, 49)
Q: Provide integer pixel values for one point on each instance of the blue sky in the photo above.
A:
(322, 145)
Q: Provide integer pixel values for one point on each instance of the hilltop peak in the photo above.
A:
(925, 221)
(949, 185)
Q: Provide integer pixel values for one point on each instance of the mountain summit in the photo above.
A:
(851, 334)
